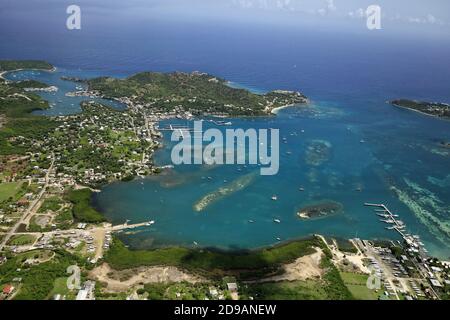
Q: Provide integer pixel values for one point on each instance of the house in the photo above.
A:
(3, 260)
(8, 289)
(22, 202)
(232, 287)
(213, 292)
(436, 283)
(87, 292)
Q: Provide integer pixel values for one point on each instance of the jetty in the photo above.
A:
(397, 225)
(130, 226)
(181, 128)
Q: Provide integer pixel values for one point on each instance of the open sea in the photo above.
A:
(377, 153)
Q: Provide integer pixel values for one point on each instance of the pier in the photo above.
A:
(180, 128)
(130, 226)
(399, 226)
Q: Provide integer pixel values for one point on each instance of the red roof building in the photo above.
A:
(8, 289)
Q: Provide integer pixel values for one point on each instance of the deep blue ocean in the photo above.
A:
(378, 153)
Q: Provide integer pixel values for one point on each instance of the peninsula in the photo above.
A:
(435, 109)
(195, 93)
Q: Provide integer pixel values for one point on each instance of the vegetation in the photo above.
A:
(60, 287)
(432, 108)
(357, 285)
(37, 280)
(175, 291)
(50, 204)
(9, 190)
(64, 219)
(7, 65)
(21, 128)
(345, 245)
(329, 287)
(82, 210)
(334, 285)
(196, 92)
(29, 84)
(155, 291)
(248, 264)
(286, 290)
(22, 239)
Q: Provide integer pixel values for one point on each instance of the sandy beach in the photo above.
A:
(276, 110)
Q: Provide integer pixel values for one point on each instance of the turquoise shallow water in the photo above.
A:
(389, 157)
(394, 153)
(60, 103)
(349, 74)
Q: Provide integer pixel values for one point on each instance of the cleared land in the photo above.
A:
(357, 285)
(123, 280)
(9, 189)
(23, 239)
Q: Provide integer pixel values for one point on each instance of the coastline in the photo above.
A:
(274, 111)
(277, 109)
(4, 73)
(418, 111)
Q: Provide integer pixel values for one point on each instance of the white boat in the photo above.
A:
(150, 223)
(277, 220)
(278, 239)
(274, 198)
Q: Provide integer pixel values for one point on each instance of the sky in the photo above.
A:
(414, 17)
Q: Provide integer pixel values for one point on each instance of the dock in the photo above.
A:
(399, 226)
(391, 216)
(130, 226)
(182, 129)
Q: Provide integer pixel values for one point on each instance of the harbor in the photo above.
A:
(413, 241)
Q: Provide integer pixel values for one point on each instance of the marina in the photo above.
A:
(399, 226)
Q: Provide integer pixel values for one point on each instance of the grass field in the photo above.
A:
(356, 283)
(60, 287)
(20, 240)
(286, 290)
(9, 189)
(50, 204)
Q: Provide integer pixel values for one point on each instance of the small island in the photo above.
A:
(320, 209)
(50, 165)
(435, 109)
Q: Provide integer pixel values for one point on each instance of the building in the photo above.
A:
(8, 289)
(87, 292)
(232, 287)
